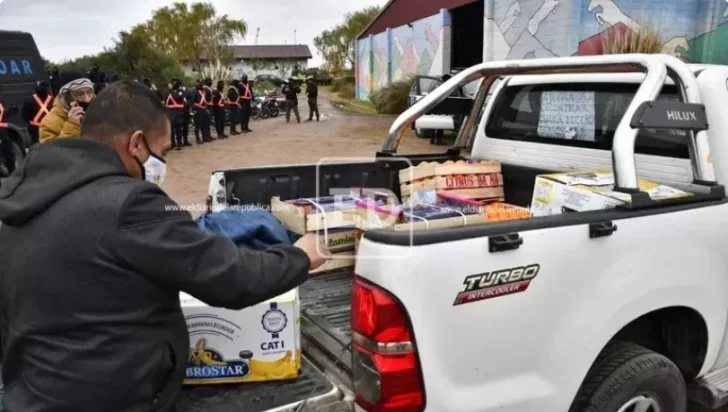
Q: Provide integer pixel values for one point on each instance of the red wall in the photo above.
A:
(401, 12)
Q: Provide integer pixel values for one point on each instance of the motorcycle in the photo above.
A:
(257, 109)
(270, 104)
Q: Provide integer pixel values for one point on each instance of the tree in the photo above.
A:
(338, 45)
(195, 33)
(131, 56)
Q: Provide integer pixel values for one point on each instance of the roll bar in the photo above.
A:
(656, 68)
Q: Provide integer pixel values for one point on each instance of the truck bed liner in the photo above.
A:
(326, 315)
(258, 397)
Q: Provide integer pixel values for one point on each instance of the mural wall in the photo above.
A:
(423, 48)
(694, 30)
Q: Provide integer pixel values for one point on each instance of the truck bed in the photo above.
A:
(326, 315)
(312, 386)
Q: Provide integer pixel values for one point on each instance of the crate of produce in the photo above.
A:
(493, 211)
(414, 217)
(315, 214)
(472, 178)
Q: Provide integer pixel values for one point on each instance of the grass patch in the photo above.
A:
(347, 101)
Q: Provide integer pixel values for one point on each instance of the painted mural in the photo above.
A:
(694, 30)
(399, 52)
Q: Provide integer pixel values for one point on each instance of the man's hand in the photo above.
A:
(317, 252)
(76, 114)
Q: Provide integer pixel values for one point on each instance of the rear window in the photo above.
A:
(580, 115)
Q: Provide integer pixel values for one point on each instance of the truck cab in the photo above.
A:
(21, 67)
(602, 311)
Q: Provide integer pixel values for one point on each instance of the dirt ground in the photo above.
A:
(275, 142)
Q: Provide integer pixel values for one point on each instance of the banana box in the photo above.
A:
(256, 344)
(558, 193)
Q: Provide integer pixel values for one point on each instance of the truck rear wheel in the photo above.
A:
(627, 377)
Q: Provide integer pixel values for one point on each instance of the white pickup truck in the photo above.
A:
(560, 313)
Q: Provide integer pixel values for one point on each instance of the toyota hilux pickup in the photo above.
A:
(615, 310)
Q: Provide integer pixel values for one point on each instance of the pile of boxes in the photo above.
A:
(558, 193)
(262, 342)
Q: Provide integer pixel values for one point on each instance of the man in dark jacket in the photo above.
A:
(96, 324)
(291, 90)
(312, 94)
(36, 108)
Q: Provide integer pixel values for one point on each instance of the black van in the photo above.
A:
(21, 67)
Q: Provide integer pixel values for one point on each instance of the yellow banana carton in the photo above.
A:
(259, 343)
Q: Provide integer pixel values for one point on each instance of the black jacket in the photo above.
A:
(312, 91)
(91, 267)
(291, 90)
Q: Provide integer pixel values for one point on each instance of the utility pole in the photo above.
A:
(257, 33)
(294, 37)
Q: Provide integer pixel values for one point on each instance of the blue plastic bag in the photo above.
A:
(254, 229)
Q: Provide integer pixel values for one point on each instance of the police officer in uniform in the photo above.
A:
(176, 103)
(291, 90)
(218, 109)
(234, 106)
(6, 144)
(246, 96)
(202, 116)
(206, 128)
(190, 94)
(36, 108)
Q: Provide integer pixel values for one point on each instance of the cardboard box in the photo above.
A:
(558, 193)
(373, 216)
(476, 179)
(259, 343)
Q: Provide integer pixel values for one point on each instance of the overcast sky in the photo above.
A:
(64, 29)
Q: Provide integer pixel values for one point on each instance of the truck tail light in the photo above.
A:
(385, 365)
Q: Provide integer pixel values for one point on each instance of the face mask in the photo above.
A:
(154, 169)
(83, 105)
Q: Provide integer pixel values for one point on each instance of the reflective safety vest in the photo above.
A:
(173, 104)
(203, 102)
(209, 103)
(235, 102)
(221, 102)
(43, 109)
(246, 92)
(2, 114)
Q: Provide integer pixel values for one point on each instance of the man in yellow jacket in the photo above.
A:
(69, 106)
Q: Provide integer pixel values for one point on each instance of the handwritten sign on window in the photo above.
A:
(567, 115)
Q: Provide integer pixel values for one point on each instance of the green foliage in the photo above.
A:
(337, 45)
(193, 33)
(342, 85)
(392, 98)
